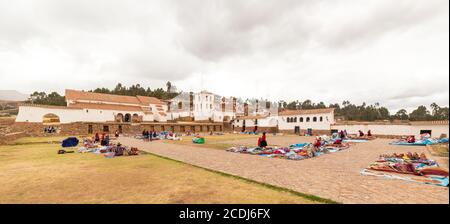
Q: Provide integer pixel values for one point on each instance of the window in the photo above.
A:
(307, 119)
(210, 106)
(321, 119)
(314, 119)
(295, 119)
(288, 120)
(90, 129)
(105, 128)
(301, 119)
(87, 111)
(180, 105)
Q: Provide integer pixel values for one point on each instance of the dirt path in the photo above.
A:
(333, 176)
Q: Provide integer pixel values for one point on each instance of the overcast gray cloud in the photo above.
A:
(392, 52)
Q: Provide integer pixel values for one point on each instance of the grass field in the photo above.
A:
(441, 151)
(32, 172)
(214, 141)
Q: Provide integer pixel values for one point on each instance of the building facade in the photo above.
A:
(200, 112)
(97, 107)
(202, 106)
(289, 121)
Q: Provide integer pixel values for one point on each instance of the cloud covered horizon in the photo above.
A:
(392, 52)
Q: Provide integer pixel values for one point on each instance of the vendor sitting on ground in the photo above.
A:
(361, 134)
(342, 134)
(262, 141)
(318, 142)
(411, 139)
(369, 133)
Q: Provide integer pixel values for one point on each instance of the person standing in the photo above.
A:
(97, 138)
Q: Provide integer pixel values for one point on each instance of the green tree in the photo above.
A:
(420, 114)
(47, 99)
(402, 114)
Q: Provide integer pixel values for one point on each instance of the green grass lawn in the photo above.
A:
(47, 139)
(440, 149)
(32, 172)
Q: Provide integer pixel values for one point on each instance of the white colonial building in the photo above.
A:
(288, 121)
(202, 106)
(97, 107)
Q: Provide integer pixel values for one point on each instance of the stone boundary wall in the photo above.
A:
(260, 129)
(88, 128)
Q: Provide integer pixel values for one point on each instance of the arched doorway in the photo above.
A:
(50, 119)
(127, 118)
(51, 122)
(119, 117)
(135, 118)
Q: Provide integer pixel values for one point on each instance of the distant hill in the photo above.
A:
(12, 95)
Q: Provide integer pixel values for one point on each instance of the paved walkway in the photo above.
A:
(334, 176)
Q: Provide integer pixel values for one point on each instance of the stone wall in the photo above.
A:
(259, 129)
(88, 128)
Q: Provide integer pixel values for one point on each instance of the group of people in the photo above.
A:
(103, 139)
(50, 130)
(342, 134)
(149, 135)
(361, 134)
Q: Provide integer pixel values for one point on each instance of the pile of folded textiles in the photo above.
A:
(424, 170)
(111, 150)
(293, 152)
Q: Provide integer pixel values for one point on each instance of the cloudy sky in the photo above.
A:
(392, 52)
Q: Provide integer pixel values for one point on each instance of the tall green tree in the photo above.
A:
(420, 114)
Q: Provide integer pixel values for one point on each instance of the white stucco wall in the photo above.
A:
(394, 129)
(36, 114)
(325, 124)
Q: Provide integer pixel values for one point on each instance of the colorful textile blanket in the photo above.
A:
(434, 180)
(424, 170)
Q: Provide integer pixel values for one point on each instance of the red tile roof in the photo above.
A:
(46, 106)
(305, 112)
(138, 100)
(100, 106)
